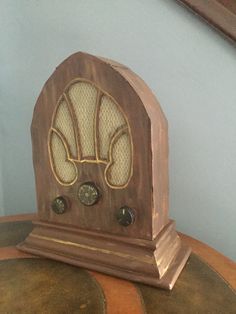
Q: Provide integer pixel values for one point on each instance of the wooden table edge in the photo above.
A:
(21, 217)
(224, 266)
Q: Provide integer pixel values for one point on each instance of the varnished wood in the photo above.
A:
(221, 14)
(148, 250)
(46, 286)
(43, 285)
(142, 261)
(11, 252)
(21, 217)
(151, 168)
(121, 296)
(222, 264)
(112, 287)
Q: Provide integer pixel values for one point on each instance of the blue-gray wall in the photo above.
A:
(189, 66)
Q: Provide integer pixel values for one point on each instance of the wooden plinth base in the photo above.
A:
(157, 263)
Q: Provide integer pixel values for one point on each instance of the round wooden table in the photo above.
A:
(29, 284)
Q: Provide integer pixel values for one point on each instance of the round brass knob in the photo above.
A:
(59, 205)
(88, 193)
(125, 216)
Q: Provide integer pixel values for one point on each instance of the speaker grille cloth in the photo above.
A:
(110, 119)
(63, 122)
(83, 96)
(65, 170)
(120, 171)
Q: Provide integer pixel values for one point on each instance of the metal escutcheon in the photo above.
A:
(88, 193)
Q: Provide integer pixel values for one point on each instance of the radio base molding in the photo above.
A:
(138, 260)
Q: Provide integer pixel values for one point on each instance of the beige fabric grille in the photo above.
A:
(65, 170)
(110, 120)
(83, 97)
(63, 123)
(119, 173)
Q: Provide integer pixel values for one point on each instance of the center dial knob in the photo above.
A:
(88, 193)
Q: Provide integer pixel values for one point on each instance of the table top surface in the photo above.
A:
(29, 284)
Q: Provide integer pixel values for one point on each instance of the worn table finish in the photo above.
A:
(30, 284)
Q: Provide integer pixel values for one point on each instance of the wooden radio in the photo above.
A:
(100, 154)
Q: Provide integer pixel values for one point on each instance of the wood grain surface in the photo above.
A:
(221, 14)
(25, 278)
(147, 191)
(222, 264)
(145, 196)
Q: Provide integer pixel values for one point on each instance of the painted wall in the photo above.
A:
(1, 181)
(189, 66)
